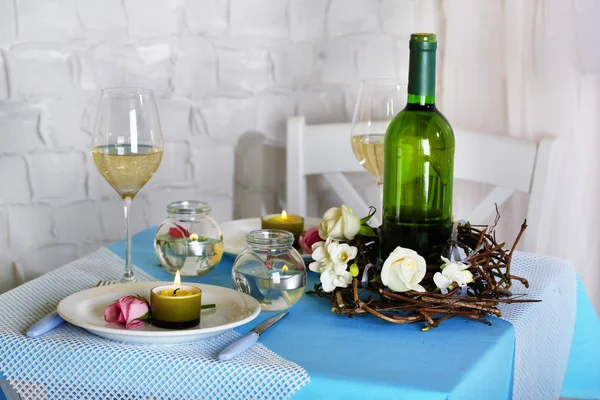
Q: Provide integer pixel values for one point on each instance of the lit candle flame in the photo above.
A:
(284, 215)
(177, 280)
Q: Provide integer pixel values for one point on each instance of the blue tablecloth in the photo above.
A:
(368, 358)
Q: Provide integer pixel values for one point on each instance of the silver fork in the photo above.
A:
(105, 283)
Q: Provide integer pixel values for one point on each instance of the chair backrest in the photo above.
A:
(510, 164)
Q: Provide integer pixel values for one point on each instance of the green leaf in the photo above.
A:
(142, 298)
(366, 230)
(144, 317)
(372, 211)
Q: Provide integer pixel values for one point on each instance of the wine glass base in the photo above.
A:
(128, 279)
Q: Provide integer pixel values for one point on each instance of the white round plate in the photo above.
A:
(86, 310)
(234, 233)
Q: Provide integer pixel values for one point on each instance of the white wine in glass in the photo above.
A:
(128, 148)
(127, 170)
(378, 102)
(368, 150)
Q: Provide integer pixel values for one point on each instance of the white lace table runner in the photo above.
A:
(543, 330)
(70, 363)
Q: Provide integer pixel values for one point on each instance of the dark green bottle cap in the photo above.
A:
(423, 41)
(423, 37)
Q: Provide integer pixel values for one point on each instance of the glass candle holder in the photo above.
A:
(270, 270)
(189, 240)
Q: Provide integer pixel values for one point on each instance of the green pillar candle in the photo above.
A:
(175, 306)
(291, 223)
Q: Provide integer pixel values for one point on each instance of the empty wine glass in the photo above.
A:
(378, 102)
(127, 147)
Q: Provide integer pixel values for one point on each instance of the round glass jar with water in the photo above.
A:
(270, 270)
(189, 240)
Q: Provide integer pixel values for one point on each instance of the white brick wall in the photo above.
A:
(225, 116)
(40, 69)
(29, 227)
(349, 17)
(19, 122)
(3, 77)
(195, 67)
(207, 17)
(14, 180)
(8, 22)
(219, 68)
(244, 67)
(57, 176)
(307, 19)
(265, 19)
(153, 18)
(48, 20)
(39, 260)
(273, 109)
(103, 19)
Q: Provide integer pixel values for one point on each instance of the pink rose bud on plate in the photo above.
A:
(128, 310)
(309, 238)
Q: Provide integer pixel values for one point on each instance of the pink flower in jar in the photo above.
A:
(128, 310)
(309, 238)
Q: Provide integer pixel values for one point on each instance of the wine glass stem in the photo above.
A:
(380, 186)
(128, 273)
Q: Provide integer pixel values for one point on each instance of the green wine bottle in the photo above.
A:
(419, 164)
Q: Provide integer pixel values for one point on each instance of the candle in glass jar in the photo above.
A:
(284, 221)
(175, 306)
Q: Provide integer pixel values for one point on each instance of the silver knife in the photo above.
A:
(243, 344)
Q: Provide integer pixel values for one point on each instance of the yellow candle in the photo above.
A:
(284, 221)
(175, 292)
(175, 306)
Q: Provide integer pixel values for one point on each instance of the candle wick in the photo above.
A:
(175, 291)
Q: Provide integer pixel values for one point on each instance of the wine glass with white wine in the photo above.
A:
(378, 102)
(128, 148)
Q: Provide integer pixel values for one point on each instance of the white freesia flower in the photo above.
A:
(403, 270)
(341, 253)
(340, 223)
(331, 261)
(337, 276)
(452, 272)
(321, 256)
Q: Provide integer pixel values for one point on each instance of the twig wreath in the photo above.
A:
(472, 281)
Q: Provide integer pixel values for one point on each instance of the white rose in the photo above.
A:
(339, 223)
(452, 272)
(403, 270)
(337, 276)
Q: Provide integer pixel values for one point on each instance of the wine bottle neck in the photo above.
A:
(415, 99)
(421, 70)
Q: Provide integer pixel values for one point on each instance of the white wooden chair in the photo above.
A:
(510, 164)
